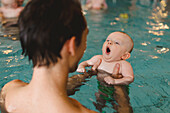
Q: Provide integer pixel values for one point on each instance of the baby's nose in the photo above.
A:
(110, 42)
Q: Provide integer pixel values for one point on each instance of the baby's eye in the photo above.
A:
(107, 40)
(117, 43)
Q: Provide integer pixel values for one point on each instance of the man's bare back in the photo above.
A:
(55, 44)
(15, 92)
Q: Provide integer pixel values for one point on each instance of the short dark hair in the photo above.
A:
(45, 25)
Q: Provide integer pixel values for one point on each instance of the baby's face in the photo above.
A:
(115, 46)
(20, 2)
(8, 3)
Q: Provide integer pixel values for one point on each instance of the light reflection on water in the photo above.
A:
(148, 25)
(7, 51)
(163, 50)
(158, 15)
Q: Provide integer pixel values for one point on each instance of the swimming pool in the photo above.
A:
(147, 23)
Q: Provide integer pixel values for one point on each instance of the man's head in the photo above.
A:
(46, 25)
(117, 46)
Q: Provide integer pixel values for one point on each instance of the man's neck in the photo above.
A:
(52, 77)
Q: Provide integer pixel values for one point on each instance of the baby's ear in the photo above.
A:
(126, 56)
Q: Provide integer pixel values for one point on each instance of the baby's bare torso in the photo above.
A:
(11, 12)
(106, 69)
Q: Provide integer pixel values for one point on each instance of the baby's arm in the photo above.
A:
(127, 73)
(94, 62)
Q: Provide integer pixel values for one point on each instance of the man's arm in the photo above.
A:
(76, 81)
(121, 95)
(122, 99)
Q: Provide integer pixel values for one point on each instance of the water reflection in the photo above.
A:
(156, 39)
(9, 28)
(9, 60)
(163, 50)
(7, 51)
(157, 33)
(146, 22)
(145, 43)
(160, 11)
(117, 97)
(158, 15)
(158, 26)
(153, 57)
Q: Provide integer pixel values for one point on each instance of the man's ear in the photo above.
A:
(71, 46)
(126, 56)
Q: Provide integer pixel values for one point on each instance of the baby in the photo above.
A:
(20, 2)
(116, 49)
(10, 8)
(96, 4)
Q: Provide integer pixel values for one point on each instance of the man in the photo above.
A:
(53, 36)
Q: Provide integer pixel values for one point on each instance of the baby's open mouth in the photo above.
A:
(107, 50)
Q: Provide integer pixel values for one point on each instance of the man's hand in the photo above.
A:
(115, 75)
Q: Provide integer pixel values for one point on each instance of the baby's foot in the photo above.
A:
(109, 80)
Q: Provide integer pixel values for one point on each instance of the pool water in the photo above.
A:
(147, 23)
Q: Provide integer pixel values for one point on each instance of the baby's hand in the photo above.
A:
(95, 66)
(81, 70)
(109, 80)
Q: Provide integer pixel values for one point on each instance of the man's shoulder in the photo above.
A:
(6, 89)
(12, 85)
(82, 109)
